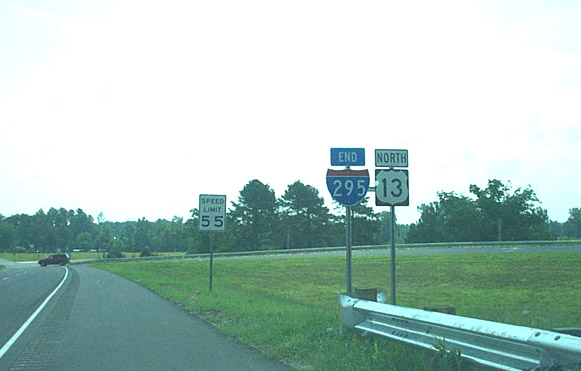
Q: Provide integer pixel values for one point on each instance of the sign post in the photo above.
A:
(348, 243)
(212, 219)
(392, 189)
(348, 187)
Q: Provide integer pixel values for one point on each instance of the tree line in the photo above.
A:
(496, 212)
(299, 218)
(256, 220)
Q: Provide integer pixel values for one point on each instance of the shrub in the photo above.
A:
(145, 252)
(18, 250)
(115, 254)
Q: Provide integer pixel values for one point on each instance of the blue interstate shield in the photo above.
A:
(348, 186)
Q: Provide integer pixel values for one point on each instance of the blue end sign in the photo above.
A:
(347, 156)
(347, 186)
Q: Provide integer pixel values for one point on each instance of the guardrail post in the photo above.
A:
(366, 293)
(349, 316)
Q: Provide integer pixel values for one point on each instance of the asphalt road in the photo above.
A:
(99, 321)
(22, 290)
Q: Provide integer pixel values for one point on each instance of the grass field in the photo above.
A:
(285, 306)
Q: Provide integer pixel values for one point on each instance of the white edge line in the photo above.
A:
(23, 328)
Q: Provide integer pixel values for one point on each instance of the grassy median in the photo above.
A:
(288, 307)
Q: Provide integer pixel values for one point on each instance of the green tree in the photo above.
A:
(104, 237)
(572, 227)
(145, 252)
(365, 224)
(193, 232)
(555, 229)
(127, 234)
(427, 228)
(177, 235)
(143, 234)
(23, 226)
(44, 237)
(83, 241)
(305, 216)
(255, 216)
(401, 230)
(453, 218)
(520, 213)
(116, 249)
(80, 222)
(7, 236)
(59, 222)
(459, 218)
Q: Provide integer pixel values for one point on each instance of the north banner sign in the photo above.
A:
(391, 158)
(348, 186)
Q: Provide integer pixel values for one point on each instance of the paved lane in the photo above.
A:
(99, 321)
(22, 289)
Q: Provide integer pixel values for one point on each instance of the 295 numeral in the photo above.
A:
(349, 186)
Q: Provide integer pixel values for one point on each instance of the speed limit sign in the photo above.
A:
(392, 187)
(212, 213)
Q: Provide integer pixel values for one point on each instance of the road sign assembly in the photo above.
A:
(348, 187)
(212, 217)
(392, 189)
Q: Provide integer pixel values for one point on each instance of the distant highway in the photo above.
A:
(478, 250)
(367, 250)
(99, 321)
(416, 251)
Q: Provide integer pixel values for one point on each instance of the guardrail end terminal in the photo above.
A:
(349, 316)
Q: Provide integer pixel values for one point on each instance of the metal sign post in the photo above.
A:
(348, 187)
(392, 237)
(212, 219)
(392, 189)
(348, 243)
(211, 259)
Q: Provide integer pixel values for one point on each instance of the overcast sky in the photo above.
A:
(134, 108)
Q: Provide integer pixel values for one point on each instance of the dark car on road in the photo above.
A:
(60, 259)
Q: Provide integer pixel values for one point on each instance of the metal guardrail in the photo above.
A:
(341, 248)
(216, 254)
(502, 346)
(492, 243)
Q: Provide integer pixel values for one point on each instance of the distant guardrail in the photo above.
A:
(498, 345)
(339, 248)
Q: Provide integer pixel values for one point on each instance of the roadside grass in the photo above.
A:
(288, 307)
